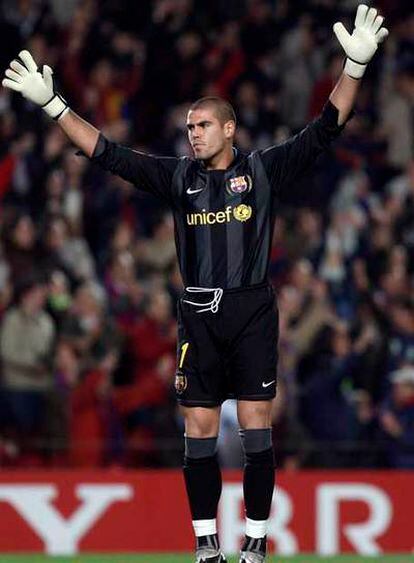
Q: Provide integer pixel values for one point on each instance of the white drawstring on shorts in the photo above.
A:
(210, 305)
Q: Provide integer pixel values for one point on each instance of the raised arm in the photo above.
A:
(147, 172)
(23, 76)
(344, 95)
(286, 162)
(80, 132)
(359, 48)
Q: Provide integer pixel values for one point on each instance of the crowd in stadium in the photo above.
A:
(88, 274)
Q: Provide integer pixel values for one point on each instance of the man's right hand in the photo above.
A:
(24, 77)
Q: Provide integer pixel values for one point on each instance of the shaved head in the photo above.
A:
(223, 110)
(211, 125)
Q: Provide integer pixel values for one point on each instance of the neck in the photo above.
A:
(221, 160)
(29, 310)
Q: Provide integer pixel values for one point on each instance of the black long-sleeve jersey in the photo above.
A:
(224, 219)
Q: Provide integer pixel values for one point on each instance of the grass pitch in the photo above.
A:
(184, 558)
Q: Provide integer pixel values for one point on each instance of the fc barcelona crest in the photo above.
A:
(180, 382)
(239, 184)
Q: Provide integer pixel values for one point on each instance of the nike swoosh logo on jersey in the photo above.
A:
(268, 384)
(190, 191)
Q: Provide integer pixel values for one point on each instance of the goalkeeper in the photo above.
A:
(224, 204)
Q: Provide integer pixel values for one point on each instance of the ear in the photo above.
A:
(229, 129)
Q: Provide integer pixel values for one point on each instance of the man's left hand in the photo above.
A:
(361, 46)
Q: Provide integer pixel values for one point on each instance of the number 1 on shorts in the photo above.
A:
(184, 349)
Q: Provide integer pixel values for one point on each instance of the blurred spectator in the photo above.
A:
(398, 119)
(59, 297)
(85, 405)
(324, 375)
(323, 87)
(125, 293)
(87, 328)
(397, 419)
(301, 65)
(20, 248)
(368, 449)
(26, 343)
(65, 252)
(157, 254)
(151, 342)
(260, 32)
(5, 285)
(90, 413)
(224, 62)
(401, 336)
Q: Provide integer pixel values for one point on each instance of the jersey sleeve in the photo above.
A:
(286, 162)
(150, 173)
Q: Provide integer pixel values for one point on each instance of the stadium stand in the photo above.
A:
(88, 277)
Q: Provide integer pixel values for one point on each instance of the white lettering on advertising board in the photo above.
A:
(328, 526)
(61, 536)
(361, 536)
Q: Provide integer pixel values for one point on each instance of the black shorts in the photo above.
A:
(230, 354)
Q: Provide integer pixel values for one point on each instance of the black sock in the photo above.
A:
(258, 484)
(203, 482)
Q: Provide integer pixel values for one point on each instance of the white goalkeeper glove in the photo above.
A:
(360, 47)
(23, 77)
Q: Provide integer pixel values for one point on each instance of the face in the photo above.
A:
(403, 392)
(24, 233)
(57, 234)
(302, 274)
(207, 135)
(85, 302)
(341, 342)
(34, 299)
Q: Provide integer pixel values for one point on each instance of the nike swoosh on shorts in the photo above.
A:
(190, 191)
(268, 384)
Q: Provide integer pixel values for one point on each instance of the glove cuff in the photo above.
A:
(354, 69)
(56, 107)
